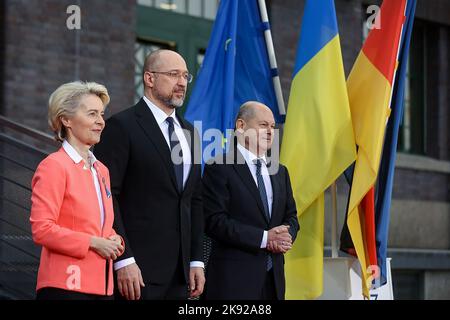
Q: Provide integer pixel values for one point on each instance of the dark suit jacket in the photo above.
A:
(155, 220)
(235, 221)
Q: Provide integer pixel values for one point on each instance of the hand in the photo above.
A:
(196, 281)
(279, 239)
(279, 233)
(129, 281)
(106, 248)
(118, 239)
(279, 247)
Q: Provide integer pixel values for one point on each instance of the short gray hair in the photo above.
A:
(152, 61)
(246, 111)
(65, 100)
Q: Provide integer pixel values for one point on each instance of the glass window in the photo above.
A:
(195, 8)
(163, 4)
(210, 9)
(198, 8)
(149, 3)
(200, 57)
(408, 284)
(405, 131)
(179, 6)
(412, 128)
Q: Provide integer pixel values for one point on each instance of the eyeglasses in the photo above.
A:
(176, 75)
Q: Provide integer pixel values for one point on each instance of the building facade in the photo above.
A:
(39, 51)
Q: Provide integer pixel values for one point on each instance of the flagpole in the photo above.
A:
(334, 249)
(272, 59)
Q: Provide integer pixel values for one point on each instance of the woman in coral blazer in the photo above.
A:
(72, 211)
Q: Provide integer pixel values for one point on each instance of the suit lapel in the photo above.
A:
(246, 176)
(148, 123)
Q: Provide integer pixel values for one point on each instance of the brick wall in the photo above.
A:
(41, 53)
(2, 50)
(285, 24)
(420, 185)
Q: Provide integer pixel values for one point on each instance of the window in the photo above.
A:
(200, 57)
(408, 284)
(413, 127)
(183, 33)
(197, 8)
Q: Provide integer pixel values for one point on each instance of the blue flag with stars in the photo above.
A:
(235, 69)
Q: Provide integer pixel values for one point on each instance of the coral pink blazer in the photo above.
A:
(65, 214)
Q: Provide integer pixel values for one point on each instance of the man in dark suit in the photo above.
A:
(156, 187)
(250, 213)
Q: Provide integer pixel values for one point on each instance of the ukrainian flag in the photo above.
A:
(370, 90)
(318, 142)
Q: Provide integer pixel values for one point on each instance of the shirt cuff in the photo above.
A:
(264, 240)
(197, 264)
(123, 263)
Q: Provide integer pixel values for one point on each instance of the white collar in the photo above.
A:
(249, 156)
(160, 115)
(74, 155)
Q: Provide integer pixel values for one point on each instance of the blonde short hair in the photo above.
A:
(65, 101)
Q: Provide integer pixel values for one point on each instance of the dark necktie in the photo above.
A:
(262, 188)
(263, 195)
(175, 143)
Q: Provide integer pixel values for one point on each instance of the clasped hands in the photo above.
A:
(108, 248)
(279, 240)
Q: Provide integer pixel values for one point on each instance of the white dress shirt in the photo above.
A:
(75, 156)
(160, 117)
(250, 161)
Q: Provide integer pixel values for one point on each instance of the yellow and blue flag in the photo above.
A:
(318, 142)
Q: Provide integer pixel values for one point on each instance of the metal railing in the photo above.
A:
(21, 150)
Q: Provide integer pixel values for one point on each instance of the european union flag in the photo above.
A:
(236, 68)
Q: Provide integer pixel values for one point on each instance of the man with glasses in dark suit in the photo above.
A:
(156, 187)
